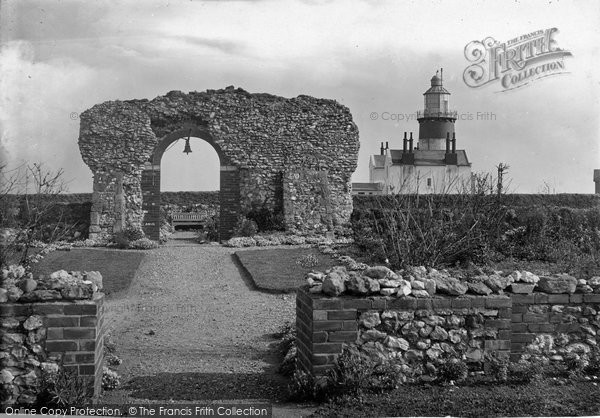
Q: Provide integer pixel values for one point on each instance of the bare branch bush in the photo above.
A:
(30, 211)
(434, 230)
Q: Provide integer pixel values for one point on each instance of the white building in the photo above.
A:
(434, 165)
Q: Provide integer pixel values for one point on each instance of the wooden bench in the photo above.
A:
(187, 219)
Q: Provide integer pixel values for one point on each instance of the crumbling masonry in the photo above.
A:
(293, 156)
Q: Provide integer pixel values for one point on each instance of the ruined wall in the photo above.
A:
(257, 136)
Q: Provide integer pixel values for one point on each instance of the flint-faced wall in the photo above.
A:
(261, 140)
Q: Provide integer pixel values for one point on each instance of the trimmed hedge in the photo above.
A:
(575, 201)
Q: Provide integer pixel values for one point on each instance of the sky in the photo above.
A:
(58, 58)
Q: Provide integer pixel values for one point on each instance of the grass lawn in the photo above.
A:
(117, 267)
(276, 270)
(492, 400)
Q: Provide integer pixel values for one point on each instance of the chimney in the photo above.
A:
(387, 145)
(382, 149)
(410, 141)
(453, 142)
(597, 180)
(451, 158)
(404, 144)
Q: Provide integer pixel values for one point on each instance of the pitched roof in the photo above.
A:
(430, 157)
(379, 161)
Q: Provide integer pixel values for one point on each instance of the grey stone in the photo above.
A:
(372, 285)
(584, 288)
(434, 353)
(389, 283)
(369, 319)
(316, 289)
(405, 289)
(425, 331)
(522, 288)
(557, 283)
(13, 338)
(28, 285)
(457, 335)
(479, 288)
(388, 291)
(33, 322)
(334, 284)
(474, 354)
(372, 335)
(433, 320)
(41, 295)
(14, 294)
(95, 277)
(6, 377)
(30, 379)
(356, 284)
(394, 342)
(450, 286)
(420, 293)
(497, 282)
(9, 322)
(439, 333)
(380, 272)
(3, 295)
(430, 286)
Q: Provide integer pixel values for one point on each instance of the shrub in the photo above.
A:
(265, 218)
(212, 228)
(238, 242)
(498, 367)
(355, 373)
(308, 261)
(294, 240)
(65, 388)
(262, 241)
(303, 387)
(576, 363)
(452, 370)
(112, 359)
(525, 371)
(246, 228)
(425, 230)
(593, 367)
(110, 379)
(143, 244)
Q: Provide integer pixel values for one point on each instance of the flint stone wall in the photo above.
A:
(38, 336)
(258, 138)
(424, 332)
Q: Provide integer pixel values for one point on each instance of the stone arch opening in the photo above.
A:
(295, 155)
(151, 180)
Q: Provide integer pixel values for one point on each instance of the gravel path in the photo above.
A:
(191, 328)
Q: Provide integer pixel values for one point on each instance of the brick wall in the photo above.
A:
(507, 325)
(71, 333)
(575, 316)
(324, 324)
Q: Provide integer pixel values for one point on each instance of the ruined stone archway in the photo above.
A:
(290, 155)
(151, 176)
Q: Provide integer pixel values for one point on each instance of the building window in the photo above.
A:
(429, 182)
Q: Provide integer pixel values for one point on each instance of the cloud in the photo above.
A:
(39, 104)
(59, 57)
